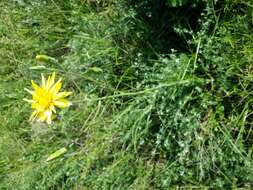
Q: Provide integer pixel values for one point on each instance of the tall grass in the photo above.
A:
(162, 94)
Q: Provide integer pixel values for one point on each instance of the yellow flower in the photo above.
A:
(46, 98)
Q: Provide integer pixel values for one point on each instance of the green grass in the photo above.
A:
(162, 95)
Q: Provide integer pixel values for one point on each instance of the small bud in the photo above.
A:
(45, 58)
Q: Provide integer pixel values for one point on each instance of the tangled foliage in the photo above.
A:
(163, 94)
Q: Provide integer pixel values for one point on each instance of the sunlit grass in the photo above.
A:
(143, 116)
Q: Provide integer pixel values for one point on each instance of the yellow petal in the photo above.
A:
(35, 86)
(29, 91)
(45, 116)
(33, 115)
(49, 117)
(42, 116)
(38, 107)
(50, 80)
(43, 81)
(57, 87)
(61, 95)
(62, 103)
(52, 108)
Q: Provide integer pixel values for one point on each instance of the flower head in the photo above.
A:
(46, 98)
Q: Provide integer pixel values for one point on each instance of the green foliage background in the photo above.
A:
(162, 94)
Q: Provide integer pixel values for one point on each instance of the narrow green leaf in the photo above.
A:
(56, 154)
(96, 69)
(37, 67)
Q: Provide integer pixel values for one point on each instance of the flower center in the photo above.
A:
(46, 100)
